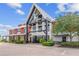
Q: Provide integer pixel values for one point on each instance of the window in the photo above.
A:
(39, 28)
(39, 16)
(15, 31)
(48, 27)
(10, 31)
(34, 27)
(25, 29)
(39, 22)
(18, 29)
(22, 30)
(29, 28)
(37, 12)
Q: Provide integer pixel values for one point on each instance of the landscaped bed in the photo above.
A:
(70, 44)
(49, 42)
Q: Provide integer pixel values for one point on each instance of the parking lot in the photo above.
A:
(9, 49)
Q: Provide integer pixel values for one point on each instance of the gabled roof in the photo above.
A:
(44, 14)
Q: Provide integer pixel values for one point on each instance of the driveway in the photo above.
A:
(8, 49)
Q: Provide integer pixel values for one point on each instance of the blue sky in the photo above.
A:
(10, 16)
(13, 14)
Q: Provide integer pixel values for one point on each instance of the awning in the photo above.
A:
(37, 33)
(17, 34)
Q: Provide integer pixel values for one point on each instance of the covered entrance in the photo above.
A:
(35, 39)
(35, 36)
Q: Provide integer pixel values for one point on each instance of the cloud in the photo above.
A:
(20, 12)
(61, 7)
(17, 7)
(74, 7)
(5, 26)
(4, 32)
(71, 7)
(4, 29)
(48, 4)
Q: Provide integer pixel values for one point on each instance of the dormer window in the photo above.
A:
(39, 16)
(39, 28)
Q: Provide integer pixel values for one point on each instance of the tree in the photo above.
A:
(77, 28)
(67, 24)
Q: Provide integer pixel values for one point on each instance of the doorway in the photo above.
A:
(64, 39)
(35, 39)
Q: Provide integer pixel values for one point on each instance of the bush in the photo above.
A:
(19, 41)
(41, 40)
(48, 43)
(3, 40)
(11, 41)
(70, 44)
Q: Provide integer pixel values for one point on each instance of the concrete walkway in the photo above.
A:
(8, 49)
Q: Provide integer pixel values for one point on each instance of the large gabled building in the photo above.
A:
(40, 24)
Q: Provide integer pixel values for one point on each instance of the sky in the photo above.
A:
(13, 14)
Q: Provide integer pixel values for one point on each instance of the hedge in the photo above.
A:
(19, 41)
(70, 44)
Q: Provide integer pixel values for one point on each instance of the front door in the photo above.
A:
(35, 39)
(64, 39)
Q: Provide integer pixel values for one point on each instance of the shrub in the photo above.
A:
(3, 40)
(19, 41)
(70, 44)
(48, 43)
(11, 41)
(41, 40)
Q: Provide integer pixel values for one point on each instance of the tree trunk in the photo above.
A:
(70, 36)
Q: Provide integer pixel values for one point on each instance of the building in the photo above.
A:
(17, 33)
(40, 24)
